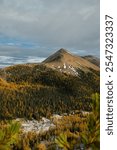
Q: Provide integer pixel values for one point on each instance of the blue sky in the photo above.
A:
(40, 27)
(7, 41)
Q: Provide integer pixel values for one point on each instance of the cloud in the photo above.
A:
(7, 60)
(51, 24)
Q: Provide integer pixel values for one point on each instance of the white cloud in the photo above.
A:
(7, 60)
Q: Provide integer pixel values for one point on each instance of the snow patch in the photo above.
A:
(64, 66)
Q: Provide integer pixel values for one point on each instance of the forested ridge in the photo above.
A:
(34, 90)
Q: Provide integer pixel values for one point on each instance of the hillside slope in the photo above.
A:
(36, 90)
(92, 59)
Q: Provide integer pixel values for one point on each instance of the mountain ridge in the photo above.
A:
(64, 61)
(92, 59)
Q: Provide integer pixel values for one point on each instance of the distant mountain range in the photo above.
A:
(61, 83)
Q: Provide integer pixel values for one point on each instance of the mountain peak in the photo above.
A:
(64, 61)
(62, 50)
(57, 56)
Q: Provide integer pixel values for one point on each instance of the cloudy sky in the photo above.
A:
(39, 27)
